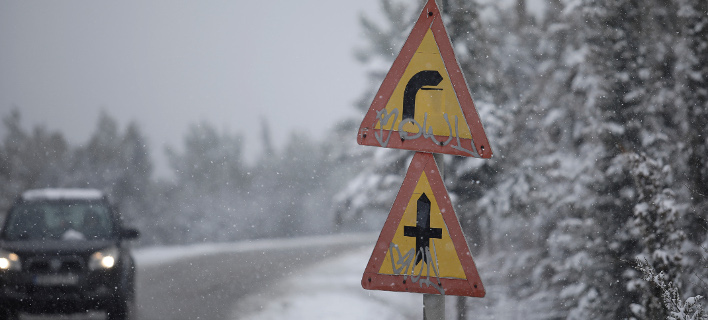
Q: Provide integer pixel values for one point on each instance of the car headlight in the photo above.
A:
(9, 261)
(104, 259)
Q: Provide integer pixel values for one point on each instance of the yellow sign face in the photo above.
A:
(421, 245)
(424, 101)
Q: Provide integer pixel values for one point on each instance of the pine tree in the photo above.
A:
(211, 180)
(369, 193)
(117, 162)
(35, 159)
(562, 196)
(692, 83)
(654, 225)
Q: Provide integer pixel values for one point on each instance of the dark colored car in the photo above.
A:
(63, 251)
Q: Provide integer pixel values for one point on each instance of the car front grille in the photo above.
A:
(55, 264)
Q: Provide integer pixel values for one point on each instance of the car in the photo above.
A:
(65, 251)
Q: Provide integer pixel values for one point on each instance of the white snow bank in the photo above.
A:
(329, 290)
(163, 254)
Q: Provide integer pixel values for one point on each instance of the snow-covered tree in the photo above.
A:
(677, 308)
(565, 96)
(692, 87)
(655, 228)
(206, 202)
(117, 162)
(29, 159)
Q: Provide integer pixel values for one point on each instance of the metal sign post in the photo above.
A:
(433, 307)
(434, 304)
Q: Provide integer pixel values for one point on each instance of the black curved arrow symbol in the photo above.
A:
(420, 79)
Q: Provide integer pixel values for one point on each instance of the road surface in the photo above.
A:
(207, 287)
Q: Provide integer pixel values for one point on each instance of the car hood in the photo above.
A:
(62, 247)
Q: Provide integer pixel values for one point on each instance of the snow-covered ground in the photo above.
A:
(329, 290)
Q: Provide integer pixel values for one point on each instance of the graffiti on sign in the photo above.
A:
(383, 118)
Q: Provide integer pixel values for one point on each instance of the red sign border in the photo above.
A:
(372, 280)
(429, 18)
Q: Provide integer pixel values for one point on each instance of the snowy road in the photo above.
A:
(301, 279)
(294, 279)
(205, 281)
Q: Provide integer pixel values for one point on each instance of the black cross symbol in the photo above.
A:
(422, 230)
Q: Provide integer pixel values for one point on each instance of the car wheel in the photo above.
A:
(120, 310)
(8, 314)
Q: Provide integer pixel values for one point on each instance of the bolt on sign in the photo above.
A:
(424, 103)
(421, 247)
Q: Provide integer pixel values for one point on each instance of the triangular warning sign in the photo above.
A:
(421, 247)
(424, 103)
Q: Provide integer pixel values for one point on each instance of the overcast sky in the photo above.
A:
(167, 64)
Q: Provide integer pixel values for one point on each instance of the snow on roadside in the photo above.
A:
(329, 290)
(332, 290)
(151, 256)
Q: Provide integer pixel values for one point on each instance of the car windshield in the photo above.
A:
(59, 220)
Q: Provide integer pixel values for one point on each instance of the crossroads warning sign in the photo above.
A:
(421, 247)
(424, 103)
